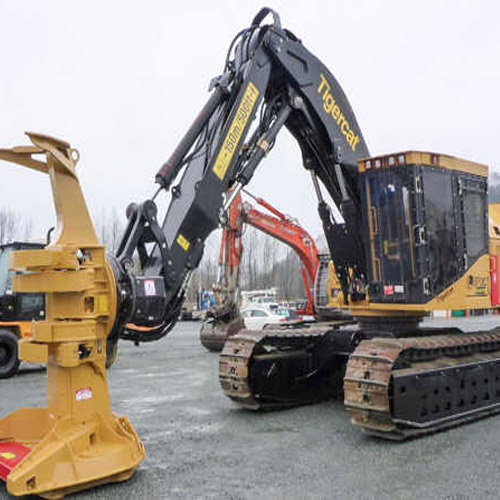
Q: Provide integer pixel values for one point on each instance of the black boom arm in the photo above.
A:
(270, 80)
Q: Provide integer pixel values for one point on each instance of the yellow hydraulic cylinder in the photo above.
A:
(76, 442)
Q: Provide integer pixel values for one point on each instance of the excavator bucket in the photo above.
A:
(215, 332)
(76, 442)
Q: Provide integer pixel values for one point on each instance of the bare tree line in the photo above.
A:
(109, 226)
(266, 262)
(14, 226)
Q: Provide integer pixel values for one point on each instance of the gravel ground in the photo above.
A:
(200, 445)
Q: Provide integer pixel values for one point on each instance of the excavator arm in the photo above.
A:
(278, 226)
(224, 318)
(284, 229)
(272, 76)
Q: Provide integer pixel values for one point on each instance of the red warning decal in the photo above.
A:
(83, 394)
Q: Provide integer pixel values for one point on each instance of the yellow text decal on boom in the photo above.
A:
(183, 242)
(332, 108)
(235, 131)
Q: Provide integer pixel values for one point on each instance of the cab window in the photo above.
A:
(259, 314)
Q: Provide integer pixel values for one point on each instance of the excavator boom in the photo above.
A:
(272, 76)
(224, 319)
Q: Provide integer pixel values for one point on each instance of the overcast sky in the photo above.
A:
(121, 81)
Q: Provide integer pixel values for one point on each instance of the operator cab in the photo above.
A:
(426, 218)
(17, 307)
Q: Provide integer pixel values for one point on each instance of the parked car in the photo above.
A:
(257, 317)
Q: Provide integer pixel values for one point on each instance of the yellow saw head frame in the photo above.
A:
(76, 442)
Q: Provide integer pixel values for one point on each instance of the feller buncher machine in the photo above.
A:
(225, 319)
(412, 238)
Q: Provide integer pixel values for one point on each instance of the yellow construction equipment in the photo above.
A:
(76, 442)
(411, 236)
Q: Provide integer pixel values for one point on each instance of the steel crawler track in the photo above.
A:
(401, 388)
(277, 369)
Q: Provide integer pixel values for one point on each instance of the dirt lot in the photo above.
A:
(199, 445)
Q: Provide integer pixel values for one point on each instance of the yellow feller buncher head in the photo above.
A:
(76, 442)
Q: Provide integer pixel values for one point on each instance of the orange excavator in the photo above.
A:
(224, 319)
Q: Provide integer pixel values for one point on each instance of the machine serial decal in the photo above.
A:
(236, 131)
(332, 108)
(183, 242)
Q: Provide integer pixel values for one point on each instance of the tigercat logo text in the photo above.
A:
(445, 295)
(332, 108)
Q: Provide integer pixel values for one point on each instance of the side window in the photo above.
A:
(441, 230)
(474, 201)
(260, 314)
